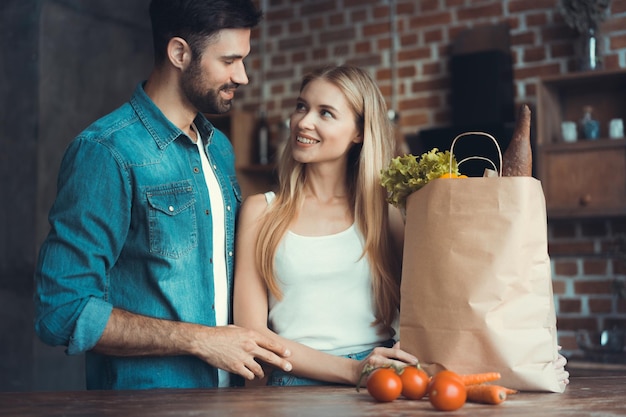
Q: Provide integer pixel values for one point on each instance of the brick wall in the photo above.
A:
(301, 34)
(586, 264)
(414, 37)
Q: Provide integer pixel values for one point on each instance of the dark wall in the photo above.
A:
(18, 182)
(64, 63)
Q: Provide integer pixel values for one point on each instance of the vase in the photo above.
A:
(589, 126)
(589, 54)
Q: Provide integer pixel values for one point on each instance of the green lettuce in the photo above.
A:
(408, 173)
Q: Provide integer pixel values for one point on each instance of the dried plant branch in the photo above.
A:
(583, 15)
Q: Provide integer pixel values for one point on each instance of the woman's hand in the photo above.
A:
(382, 357)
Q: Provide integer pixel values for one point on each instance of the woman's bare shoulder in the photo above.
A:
(253, 206)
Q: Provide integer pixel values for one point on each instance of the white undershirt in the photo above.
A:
(219, 246)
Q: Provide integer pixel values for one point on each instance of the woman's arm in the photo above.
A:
(251, 311)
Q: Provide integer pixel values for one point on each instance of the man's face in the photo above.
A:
(210, 81)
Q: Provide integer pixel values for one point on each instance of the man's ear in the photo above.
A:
(179, 52)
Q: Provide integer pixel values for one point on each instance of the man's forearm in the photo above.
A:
(129, 334)
(231, 348)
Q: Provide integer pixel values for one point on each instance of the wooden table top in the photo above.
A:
(585, 396)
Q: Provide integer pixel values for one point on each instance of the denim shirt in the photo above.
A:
(131, 228)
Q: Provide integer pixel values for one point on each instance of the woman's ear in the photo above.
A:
(179, 52)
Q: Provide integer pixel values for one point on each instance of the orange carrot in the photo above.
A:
(473, 379)
(486, 394)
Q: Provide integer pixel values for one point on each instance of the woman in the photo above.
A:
(318, 264)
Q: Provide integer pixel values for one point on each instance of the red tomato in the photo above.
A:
(414, 382)
(449, 374)
(384, 385)
(446, 391)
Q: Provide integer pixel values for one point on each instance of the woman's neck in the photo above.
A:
(325, 182)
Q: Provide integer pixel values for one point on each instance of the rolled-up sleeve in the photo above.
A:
(89, 326)
(89, 223)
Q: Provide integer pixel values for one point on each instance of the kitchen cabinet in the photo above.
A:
(585, 178)
(240, 127)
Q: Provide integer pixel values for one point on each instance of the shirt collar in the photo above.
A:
(162, 130)
(204, 127)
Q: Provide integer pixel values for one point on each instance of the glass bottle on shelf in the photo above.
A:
(589, 126)
(263, 140)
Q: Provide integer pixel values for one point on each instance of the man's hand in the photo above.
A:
(238, 350)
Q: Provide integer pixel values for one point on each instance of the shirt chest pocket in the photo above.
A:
(172, 219)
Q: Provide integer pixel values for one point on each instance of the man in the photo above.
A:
(137, 268)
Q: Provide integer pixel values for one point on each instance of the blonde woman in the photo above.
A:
(318, 263)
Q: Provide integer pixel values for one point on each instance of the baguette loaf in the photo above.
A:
(517, 161)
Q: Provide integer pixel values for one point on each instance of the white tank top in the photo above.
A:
(327, 301)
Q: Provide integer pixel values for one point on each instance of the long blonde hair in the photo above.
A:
(366, 195)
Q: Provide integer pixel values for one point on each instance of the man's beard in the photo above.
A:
(208, 102)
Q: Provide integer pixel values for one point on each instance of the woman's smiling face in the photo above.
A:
(323, 126)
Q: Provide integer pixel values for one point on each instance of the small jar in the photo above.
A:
(616, 129)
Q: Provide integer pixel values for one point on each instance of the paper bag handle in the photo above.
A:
(477, 157)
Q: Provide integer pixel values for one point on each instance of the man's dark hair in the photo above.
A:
(196, 21)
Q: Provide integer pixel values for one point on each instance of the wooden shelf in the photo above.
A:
(586, 178)
(239, 126)
(583, 145)
(258, 169)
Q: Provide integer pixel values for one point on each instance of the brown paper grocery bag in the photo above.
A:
(476, 282)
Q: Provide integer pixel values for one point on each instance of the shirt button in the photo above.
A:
(196, 170)
(206, 212)
(230, 254)
(228, 208)
(171, 208)
(214, 166)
